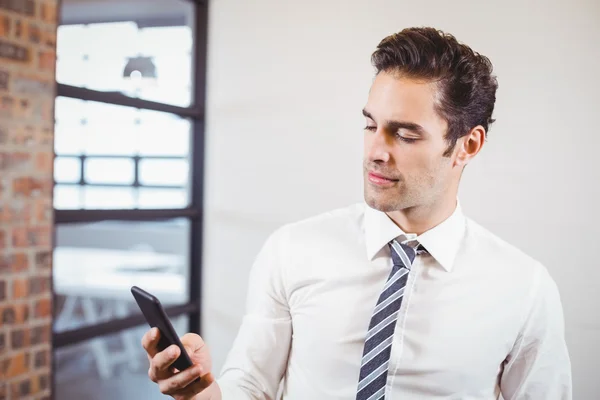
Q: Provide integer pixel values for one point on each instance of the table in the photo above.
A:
(99, 281)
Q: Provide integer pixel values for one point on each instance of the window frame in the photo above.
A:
(193, 213)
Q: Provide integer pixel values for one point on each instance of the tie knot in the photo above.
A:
(403, 255)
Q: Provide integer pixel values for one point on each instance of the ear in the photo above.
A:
(469, 146)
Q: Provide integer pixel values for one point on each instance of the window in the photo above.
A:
(114, 365)
(135, 159)
(128, 183)
(130, 57)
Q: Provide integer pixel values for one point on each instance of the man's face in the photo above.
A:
(404, 162)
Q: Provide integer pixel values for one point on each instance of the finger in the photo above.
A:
(160, 366)
(196, 386)
(188, 351)
(192, 341)
(150, 342)
(179, 381)
(201, 384)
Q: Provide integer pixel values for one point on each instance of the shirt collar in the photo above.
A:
(442, 241)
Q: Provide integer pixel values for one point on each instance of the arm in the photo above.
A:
(258, 358)
(539, 367)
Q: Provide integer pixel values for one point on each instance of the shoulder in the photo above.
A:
(324, 228)
(350, 216)
(489, 242)
(503, 257)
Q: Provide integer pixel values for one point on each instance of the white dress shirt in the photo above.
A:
(479, 318)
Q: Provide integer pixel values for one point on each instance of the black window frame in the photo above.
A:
(193, 212)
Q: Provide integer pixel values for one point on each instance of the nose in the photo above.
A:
(378, 146)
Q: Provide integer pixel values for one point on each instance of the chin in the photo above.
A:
(383, 203)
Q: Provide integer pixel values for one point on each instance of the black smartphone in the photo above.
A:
(156, 317)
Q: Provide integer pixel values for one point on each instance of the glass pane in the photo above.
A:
(67, 197)
(109, 170)
(69, 115)
(99, 197)
(109, 367)
(162, 198)
(116, 135)
(67, 169)
(128, 133)
(95, 265)
(118, 46)
(153, 140)
(163, 172)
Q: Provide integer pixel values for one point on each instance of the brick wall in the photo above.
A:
(27, 61)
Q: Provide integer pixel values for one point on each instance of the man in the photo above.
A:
(402, 297)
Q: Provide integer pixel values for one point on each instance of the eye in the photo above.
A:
(370, 128)
(406, 140)
(402, 135)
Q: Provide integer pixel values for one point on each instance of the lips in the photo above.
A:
(381, 180)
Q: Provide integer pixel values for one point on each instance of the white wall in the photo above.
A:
(287, 81)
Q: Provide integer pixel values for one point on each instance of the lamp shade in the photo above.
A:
(144, 65)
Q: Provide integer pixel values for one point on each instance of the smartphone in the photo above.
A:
(156, 317)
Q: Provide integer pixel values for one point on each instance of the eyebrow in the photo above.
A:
(396, 125)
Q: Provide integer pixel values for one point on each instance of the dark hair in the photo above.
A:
(466, 86)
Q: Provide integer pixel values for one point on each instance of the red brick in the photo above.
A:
(29, 186)
(15, 365)
(27, 93)
(20, 236)
(20, 388)
(15, 161)
(24, 136)
(16, 262)
(25, 236)
(44, 161)
(16, 212)
(20, 262)
(7, 105)
(4, 135)
(47, 104)
(43, 382)
(47, 60)
(49, 13)
(19, 28)
(46, 136)
(39, 285)
(33, 385)
(22, 110)
(42, 359)
(43, 210)
(20, 338)
(5, 24)
(43, 308)
(14, 314)
(40, 334)
(20, 288)
(43, 259)
(34, 33)
(49, 38)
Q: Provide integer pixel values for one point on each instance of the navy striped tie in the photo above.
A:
(378, 344)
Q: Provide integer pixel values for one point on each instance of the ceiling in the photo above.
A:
(148, 12)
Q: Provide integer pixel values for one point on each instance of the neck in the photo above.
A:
(420, 219)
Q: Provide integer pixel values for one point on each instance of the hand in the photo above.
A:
(178, 384)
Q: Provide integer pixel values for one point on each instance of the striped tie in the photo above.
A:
(378, 344)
